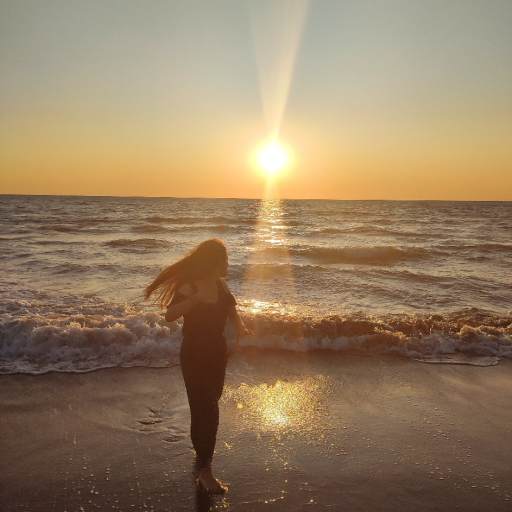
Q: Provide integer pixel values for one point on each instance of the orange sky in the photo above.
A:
(164, 99)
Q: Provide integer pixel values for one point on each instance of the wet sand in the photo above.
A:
(316, 431)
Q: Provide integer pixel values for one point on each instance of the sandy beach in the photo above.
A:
(315, 431)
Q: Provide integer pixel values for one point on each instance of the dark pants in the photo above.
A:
(203, 364)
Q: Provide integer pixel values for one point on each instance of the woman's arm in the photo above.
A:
(175, 311)
(238, 324)
(235, 319)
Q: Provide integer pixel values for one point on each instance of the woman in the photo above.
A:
(199, 294)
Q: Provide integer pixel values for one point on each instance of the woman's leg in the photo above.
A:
(204, 380)
(204, 420)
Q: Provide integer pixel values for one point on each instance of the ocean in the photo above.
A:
(416, 278)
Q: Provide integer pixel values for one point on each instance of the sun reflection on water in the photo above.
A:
(271, 228)
(260, 307)
(269, 262)
(284, 406)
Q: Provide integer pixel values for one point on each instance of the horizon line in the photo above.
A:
(263, 199)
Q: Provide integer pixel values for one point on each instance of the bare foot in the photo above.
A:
(208, 482)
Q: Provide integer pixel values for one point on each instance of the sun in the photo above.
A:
(272, 158)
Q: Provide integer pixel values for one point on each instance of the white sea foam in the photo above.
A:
(80, 334)
(395, 342)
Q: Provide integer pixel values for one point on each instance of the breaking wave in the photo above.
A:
(80, 334)
(470, 332)
(87, 335)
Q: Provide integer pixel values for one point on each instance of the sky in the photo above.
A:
(372, 99)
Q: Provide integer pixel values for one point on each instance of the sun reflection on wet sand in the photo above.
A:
(284, 407)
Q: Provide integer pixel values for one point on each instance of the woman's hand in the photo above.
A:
(243, 331)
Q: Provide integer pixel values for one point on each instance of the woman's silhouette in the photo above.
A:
(199, 294)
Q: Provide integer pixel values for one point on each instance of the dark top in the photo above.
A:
(206, 320)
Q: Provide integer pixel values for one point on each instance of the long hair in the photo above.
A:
(198, 263)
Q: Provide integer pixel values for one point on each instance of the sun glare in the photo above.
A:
(284, 406)
(272, 158)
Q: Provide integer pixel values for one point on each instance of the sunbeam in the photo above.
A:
(276, 27)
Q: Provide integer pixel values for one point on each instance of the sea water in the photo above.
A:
(411, 277)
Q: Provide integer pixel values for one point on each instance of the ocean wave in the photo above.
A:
(59, 228)
(57, 219)
(176, 220)
(330, 231)
(221, 220)
(482, 247)
(377, 255)
(69, 268)
(271, 270)
(57, 242)
(368, 230)
(470, 333)
(78, 334)
(158, 228)
(88, 335)
(220, 228)
(138, 245)
(198, 220)
(92, 221)
(323, 212)
(149, 228)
